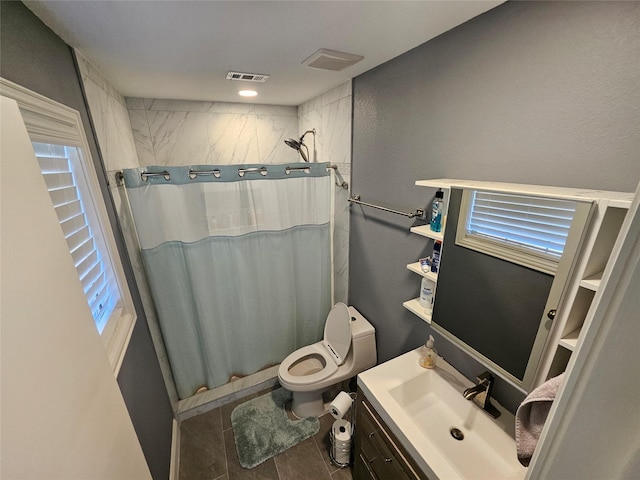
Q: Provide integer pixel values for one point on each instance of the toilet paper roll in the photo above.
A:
(340, 405)
(341, 431)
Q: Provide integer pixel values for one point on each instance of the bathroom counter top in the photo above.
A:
(420, 406)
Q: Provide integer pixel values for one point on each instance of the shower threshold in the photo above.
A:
(239, 388)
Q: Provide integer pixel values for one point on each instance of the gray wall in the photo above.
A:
(529, 92)
(33, 56)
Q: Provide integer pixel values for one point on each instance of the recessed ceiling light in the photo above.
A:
(247, 93)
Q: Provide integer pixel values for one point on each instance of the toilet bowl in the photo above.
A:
(348, 348)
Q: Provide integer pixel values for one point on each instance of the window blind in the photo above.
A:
(533, 224)
(96, 276)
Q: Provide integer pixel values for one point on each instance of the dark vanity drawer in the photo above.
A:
(377, 454)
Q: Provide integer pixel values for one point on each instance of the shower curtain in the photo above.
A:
(238, 259)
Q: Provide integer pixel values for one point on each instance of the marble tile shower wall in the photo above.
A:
(330, 115)
(110, 118)
(178, 132)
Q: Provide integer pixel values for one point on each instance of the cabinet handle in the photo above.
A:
(372, 434)
(388, 460)
(551, 314)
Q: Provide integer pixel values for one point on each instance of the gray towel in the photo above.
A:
(531, 415)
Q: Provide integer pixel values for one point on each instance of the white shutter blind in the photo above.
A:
(75, 191)
(533, 224)
(95, 276)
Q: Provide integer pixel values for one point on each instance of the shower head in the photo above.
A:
(293, 143)
(298, 144)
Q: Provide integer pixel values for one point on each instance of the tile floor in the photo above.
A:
(208, 452)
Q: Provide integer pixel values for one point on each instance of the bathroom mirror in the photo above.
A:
(495, 309)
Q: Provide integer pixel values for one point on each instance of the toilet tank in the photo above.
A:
(363, 342)
(360, 327)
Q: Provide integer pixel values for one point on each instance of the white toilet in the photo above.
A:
(348, 348)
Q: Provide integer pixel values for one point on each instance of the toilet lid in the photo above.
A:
(337, 332)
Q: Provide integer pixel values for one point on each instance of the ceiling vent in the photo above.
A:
(247, 77)
(331, 60)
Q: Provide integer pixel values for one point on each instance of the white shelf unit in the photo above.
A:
(571, 340)
(610, 209)
(415, 268)
(414, 307)
(605, 227)
(425, 231)
(592, 283)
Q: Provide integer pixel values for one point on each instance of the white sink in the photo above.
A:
(421, 407)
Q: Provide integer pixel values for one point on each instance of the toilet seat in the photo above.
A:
(333, 349)
(300, 355)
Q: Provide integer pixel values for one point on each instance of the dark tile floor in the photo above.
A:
(208, 452)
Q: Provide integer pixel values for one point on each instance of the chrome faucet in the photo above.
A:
(481, 394)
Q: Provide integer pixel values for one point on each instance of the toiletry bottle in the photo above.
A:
(428, 354)
(436, 211)
(426, 293)
(435, 260)
(425, 264)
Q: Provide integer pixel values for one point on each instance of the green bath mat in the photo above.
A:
(262, 428)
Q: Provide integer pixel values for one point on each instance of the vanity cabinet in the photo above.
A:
(378, 454)
(566, 327)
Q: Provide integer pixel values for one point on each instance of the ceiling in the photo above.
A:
(184, 49)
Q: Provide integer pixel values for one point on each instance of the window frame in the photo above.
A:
(515, 253)
(48, 121)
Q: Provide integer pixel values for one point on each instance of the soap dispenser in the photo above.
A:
(428, 354)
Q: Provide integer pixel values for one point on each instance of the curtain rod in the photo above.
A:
(119, 176)
(356, 199)
(340, 182)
